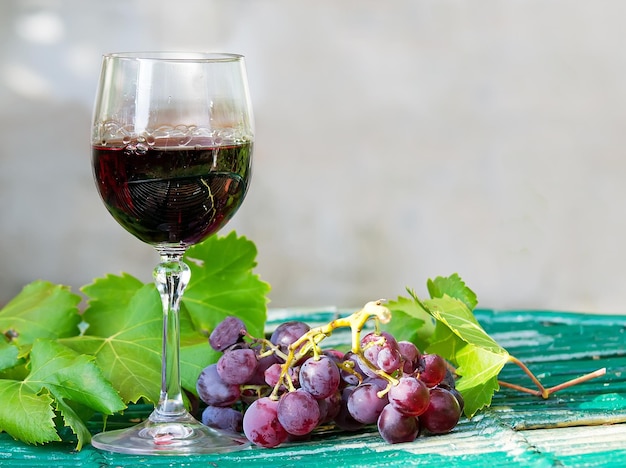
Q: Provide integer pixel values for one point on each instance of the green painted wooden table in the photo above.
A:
(580, 426)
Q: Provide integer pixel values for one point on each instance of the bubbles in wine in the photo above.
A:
(112, 133)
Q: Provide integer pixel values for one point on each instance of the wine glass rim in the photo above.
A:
(175, 56)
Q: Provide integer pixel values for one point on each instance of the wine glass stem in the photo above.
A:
(171, 276)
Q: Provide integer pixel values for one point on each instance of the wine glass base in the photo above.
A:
(169, 438)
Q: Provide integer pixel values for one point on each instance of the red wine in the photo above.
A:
(172, 195)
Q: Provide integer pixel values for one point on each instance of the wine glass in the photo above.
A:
(172, 140)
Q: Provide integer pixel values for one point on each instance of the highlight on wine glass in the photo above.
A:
(172, 139)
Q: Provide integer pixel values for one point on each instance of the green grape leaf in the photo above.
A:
(407, 311)
(460, 339)
(106, 296)
(124, 333)
(40, 310)
(452, 286)
(8, 355)
(58, 375)
(222, 284)
(460, 320)
(72, 420)
(479, 371)
(25, 414)
(125, 318)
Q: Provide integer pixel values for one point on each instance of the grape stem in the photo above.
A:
(267, 347)
(374, 310)
(542, 391)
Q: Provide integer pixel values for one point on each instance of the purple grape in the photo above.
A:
(448, 381)
(227, 333)
(258, 378)
(364, 404)
(395, 427)
(320, 377)
(365, 370)
(410, 397)
(329, 407)
(376, 381)
(459, 398)
(382, 351)
(298, 412)
(371, 344)
(287, 333)
(225, 418)
(213, 390)
(272, 375)
(389, 359)
(344, 419)
(352, 378)
(443, 412)
(410, 356)
(434, 369)
(261, 425)
(335, 355)
(237, 366)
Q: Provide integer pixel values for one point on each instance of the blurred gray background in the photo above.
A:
(396, 141)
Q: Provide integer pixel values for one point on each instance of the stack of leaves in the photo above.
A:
(60, 365)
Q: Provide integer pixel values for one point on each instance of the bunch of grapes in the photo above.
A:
(285, 387)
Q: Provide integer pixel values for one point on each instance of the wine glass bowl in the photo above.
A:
(172, 143)
(172, 139)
